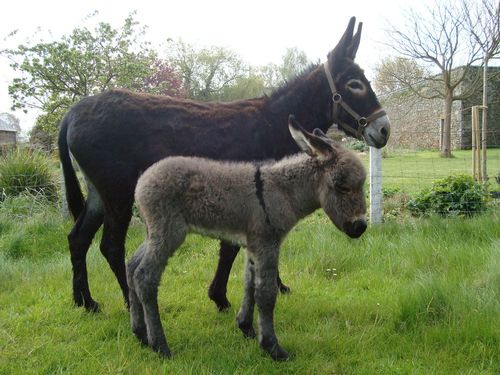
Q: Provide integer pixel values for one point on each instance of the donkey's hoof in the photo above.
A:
(91, 306)
(284, 289)
(221, 301)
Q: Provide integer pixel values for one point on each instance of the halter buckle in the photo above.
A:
(362, 121)
(337, 98)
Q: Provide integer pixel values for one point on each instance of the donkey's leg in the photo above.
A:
(116, 221)
(136, 311)
(266, 290)
(79, 240)
(244, 318)
(218, 288)
(160, 245)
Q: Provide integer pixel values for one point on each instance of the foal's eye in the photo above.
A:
(341, 189)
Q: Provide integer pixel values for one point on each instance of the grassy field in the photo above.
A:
(412, 297)
(411, 171)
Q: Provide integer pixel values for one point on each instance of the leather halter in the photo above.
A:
(363, 122)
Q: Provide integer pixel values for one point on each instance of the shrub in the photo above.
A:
(356, 145)
(451, 196)
(26, 171)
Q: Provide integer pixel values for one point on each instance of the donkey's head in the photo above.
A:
(354, 106)
(341, 179)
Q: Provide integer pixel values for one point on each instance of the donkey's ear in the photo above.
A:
(344, 44)
(313, 145)
(353, 48)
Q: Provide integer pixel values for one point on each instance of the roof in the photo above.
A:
(9, 126)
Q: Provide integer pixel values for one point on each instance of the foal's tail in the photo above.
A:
(74, 195)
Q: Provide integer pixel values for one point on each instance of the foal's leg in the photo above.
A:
(266, 269)
(217, 290)
(161, 243)
(244, 318)
(136, 311)
(79, 240)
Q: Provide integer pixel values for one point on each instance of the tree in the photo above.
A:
(206, 72)
(483, 23)
(163, 80)
(294, 62)
(53, 75)
(438, 38)
(395, 74)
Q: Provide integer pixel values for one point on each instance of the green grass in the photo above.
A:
(412, 297)
(411, 171)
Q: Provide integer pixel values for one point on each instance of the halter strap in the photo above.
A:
(363, 122)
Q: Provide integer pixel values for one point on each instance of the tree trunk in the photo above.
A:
(446, 146)
(484, 141)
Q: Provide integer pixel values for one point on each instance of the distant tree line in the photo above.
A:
(51, 76)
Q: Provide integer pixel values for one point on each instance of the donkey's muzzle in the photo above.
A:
(356, 228)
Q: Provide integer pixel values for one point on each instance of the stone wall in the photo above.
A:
(415, 122)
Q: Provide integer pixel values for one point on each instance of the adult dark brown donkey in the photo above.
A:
(117, 135)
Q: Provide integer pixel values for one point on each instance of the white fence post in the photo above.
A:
(375, 185)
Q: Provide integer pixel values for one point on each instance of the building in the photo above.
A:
(9, 130)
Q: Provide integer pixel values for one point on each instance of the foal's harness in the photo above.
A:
(363, 122)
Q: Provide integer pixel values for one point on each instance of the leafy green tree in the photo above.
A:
(54, 75)
(249, 86)
(294, 62)
(205, 72)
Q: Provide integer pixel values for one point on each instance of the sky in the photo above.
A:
(260, 31)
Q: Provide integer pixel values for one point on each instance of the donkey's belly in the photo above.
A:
(237, 238)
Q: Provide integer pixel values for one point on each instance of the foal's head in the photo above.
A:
(341, 176)
(354, 105)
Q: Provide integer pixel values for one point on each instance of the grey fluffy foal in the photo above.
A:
(255, 206)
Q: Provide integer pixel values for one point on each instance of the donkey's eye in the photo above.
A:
(356, 85)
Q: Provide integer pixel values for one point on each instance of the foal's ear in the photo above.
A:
(312, 144)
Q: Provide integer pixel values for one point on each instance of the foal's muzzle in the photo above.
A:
(356, 228)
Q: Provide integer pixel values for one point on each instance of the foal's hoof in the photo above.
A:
(248, 332)
(141, 335)
(277, 353)
(284, 289)
(162, 350)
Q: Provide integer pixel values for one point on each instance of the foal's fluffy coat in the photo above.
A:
(252, 205)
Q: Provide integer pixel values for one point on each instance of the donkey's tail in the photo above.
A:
(74, 195)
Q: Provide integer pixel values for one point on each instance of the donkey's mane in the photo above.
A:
(290, 85)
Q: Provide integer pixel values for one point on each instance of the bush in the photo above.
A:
(356, 145)
(451, 196)
(26, 171)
